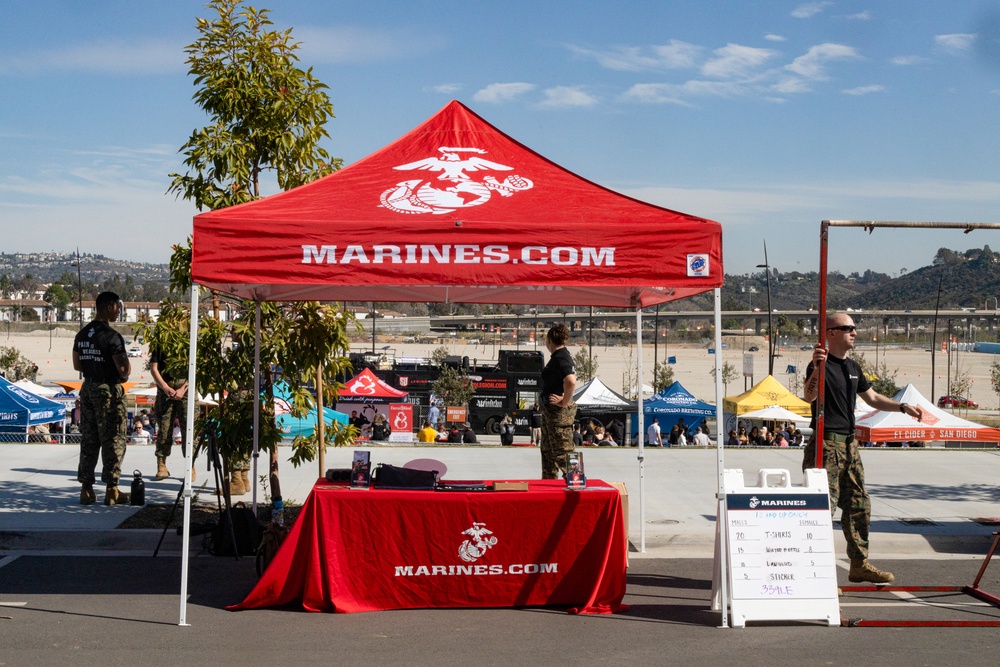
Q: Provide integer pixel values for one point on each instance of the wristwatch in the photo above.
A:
(902, 407)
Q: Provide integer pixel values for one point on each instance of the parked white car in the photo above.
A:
(135, 352)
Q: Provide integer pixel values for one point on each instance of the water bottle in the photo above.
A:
(277, 511)
(138, 495)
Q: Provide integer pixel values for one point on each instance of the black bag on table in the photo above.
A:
(246, 529)
(394, 477)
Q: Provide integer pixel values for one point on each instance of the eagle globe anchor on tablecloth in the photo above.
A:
(422, 196)
(481, 540)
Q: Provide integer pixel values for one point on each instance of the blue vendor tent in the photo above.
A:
(673, 403)
(295, 426)
(20, 409)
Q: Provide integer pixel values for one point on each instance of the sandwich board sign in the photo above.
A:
(778, 540)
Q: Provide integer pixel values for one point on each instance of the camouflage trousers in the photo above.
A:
(166, 410)
(846, 476)
(557, 439)
(102, 432)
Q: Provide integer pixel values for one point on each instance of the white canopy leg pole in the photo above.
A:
(189, 454)
(256, 400)
(638, 383)
(720, 434)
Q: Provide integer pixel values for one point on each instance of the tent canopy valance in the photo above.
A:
(20, 408)
(456, 211)
(673, 403)
(937, 424)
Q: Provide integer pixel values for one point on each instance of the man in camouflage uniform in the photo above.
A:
(171, 404)
(843, 383)
(558, 408)
(99, 354)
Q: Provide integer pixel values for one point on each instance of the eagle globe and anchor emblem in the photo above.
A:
(481, 540)
(425, 196)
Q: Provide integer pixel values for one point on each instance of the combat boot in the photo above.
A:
(863, 571)
(161, 468)
(236, 487)
(245, 478)
(87, 495)
(112, 496)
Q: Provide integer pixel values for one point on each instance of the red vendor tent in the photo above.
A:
(456, 211)
(366, 387)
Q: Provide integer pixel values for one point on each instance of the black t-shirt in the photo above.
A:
(536, 419)
(97, 344)
(469, 436)
(160, 359)
(843, 381)
(560, 365)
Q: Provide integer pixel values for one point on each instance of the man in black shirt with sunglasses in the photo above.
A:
(843, 383)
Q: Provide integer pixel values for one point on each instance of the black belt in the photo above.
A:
(838, 437)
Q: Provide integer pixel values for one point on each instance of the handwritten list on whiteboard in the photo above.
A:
(781, 546)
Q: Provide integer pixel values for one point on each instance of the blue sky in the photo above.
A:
(767, 116)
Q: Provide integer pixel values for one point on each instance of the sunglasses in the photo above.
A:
(845, 327)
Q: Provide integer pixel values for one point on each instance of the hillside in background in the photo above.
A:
(966, 280)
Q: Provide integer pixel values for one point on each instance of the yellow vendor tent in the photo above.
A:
(765, 393)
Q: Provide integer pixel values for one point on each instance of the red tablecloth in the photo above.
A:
(352, 550)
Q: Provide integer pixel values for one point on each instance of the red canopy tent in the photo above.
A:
(366, 387)
(457, 211)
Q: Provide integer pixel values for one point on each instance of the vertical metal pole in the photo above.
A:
(189, 454)
(256, 399)
(590, 336)
(720, 460)
(321, 419)
(656, 342)
(824, 242)
(642, 496)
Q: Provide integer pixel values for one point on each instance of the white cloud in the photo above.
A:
(349, 44)
(447, 88)
(812, 63)
(734, 60)
(866, 15)
(109, 57)
(567, 96)
(791, 85)
(655, 93)
(771, 37)
(673, 55)
(864, 90)
(956, 43)
(809, 9)
(497, 93)
(908, 60)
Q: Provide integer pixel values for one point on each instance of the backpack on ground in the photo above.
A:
(245, 528)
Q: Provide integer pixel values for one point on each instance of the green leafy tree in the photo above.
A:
(729, 374)
(299, 338)
(452, 386)
(585, 366)
(267, 113)
(57, 295)
(16, 366)
(663, 376)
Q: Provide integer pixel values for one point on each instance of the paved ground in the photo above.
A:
(75, 590)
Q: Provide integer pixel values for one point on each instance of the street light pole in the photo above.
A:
(770, 329)
(79, 287)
